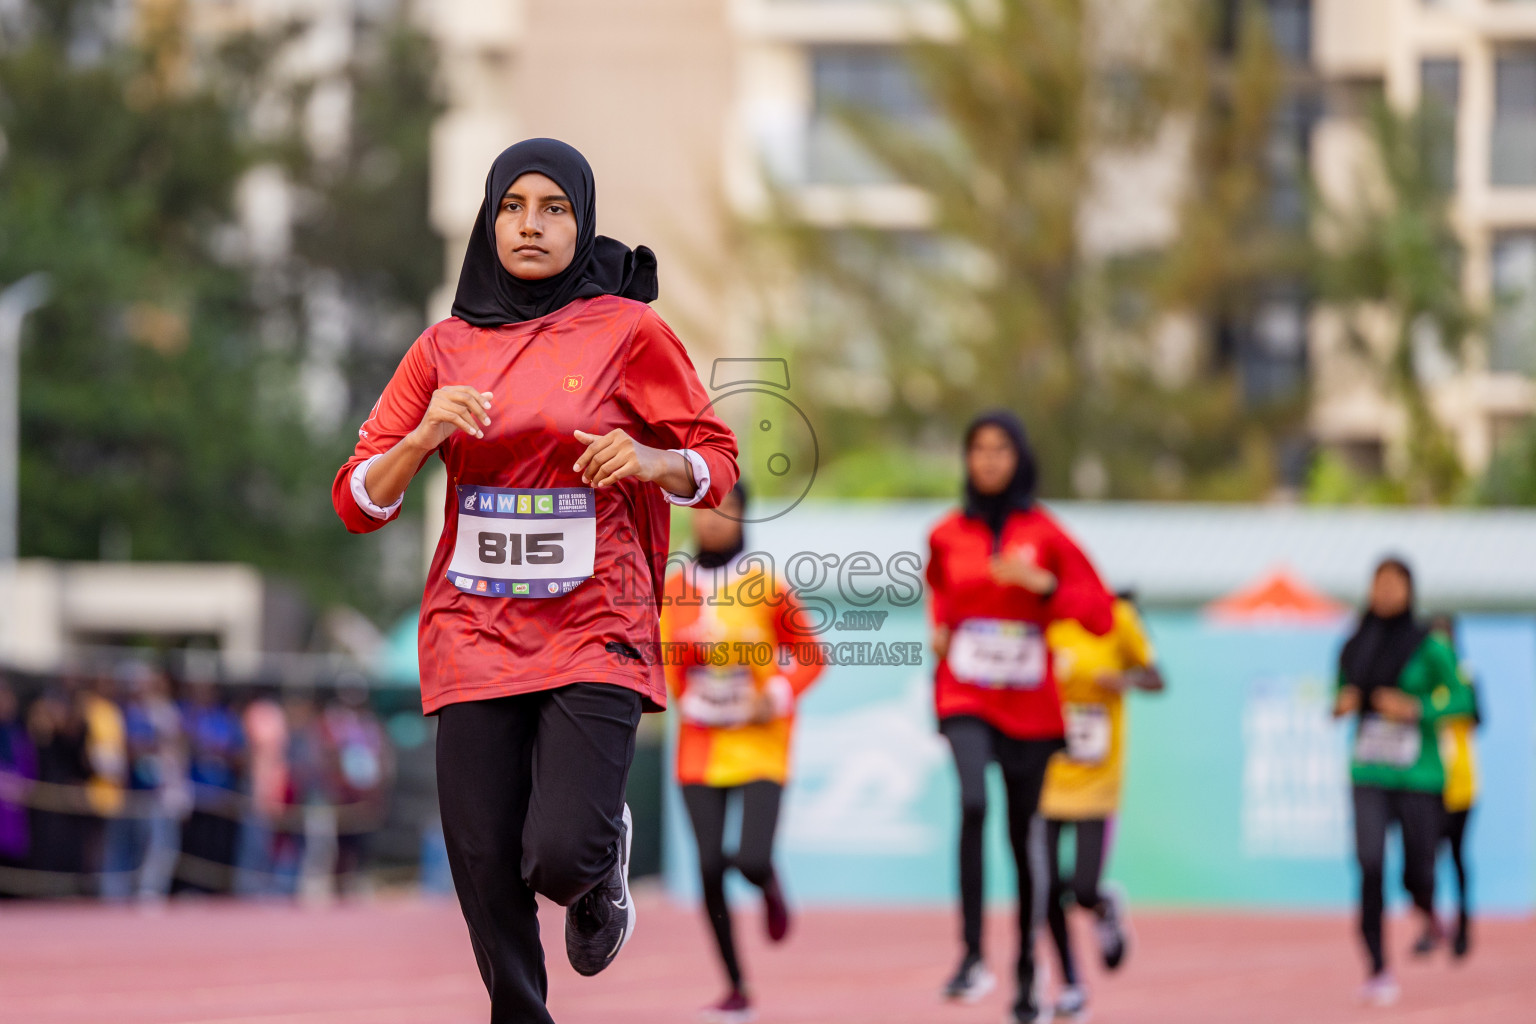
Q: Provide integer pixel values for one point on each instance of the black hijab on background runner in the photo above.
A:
(712, 559)
(1019, 495)
(488, 296)
(1381, 646)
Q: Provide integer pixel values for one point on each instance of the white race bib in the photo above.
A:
(718, 697)
(1088, 732)
(1394, 744)
(998, 653)
(513, 542)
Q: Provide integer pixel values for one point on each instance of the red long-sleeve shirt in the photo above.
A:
(963, 592)
(594, 365)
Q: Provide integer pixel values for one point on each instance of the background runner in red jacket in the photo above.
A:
(999, 571)
(568, 415)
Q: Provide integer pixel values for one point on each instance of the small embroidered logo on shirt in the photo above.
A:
(572, 381)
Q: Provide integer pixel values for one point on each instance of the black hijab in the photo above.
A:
(1019, 495)
(488, 296)
(1381, 646)
(709, 558)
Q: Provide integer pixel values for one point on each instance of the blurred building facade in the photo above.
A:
(643, 90)
(688, 108)
(1477, 59)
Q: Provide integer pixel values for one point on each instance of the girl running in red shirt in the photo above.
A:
(568, 415)
(999, 571)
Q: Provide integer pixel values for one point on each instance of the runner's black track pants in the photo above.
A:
(975, 744)
(753, 857)
(1089, 840)
(1419, 816)
(532, 792)
(1456, 836)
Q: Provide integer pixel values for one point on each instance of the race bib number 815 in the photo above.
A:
(514, 542)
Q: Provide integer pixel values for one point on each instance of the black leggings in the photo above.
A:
(754, 851)
(1419, 815)
(1456, 835)
(532, 793)
(1091, 840)
(975, 744)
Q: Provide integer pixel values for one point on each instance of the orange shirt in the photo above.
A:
(716, 629)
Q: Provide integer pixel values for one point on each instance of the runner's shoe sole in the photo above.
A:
(728, 1016)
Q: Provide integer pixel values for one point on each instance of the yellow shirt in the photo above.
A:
(106, 740)
(1460, 757)
(1083, 781)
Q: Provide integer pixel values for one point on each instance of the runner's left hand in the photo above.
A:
(1114, 682)
(763, 710)
(1396, 705)
(1011, 570)
(615, 455)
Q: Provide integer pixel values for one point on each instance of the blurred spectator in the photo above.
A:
(106, 752)
(18, 767)
(113, 789)
(216, 757)
(58, 828)
(361, 763)
(306, 846)
(266, 732)
(146, 843)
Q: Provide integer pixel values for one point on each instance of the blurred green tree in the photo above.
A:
(1511, 477)
(1390, 260)
(163, 409)
(1003, 298)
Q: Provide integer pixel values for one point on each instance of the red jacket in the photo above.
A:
(595, 364)
(962, 591)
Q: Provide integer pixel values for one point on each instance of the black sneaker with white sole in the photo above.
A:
(598, 924)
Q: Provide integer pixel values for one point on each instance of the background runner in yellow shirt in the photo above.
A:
(1082, 783)
(1458, 749)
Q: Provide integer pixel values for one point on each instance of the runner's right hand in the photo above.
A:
(940, 642)
(455, 407)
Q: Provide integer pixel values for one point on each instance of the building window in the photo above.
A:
(1289, 22)
(1513, 342)
(1440, 101)
(1514, 118)
(857, 81)
(1288, 155)
(1267, 345)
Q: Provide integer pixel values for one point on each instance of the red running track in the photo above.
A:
(407, 961)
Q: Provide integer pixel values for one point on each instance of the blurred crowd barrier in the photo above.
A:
(130, 781)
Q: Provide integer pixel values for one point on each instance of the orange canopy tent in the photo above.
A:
(1277, 597)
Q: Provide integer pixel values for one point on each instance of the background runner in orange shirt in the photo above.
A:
(737, 719)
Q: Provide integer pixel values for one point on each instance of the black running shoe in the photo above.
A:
(1429, 939)
(1028, 1015)
(1461, 945)
(598, 924)
(1111, 930)
(972, 981)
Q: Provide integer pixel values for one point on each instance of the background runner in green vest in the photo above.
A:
(1400, 681)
